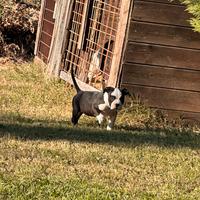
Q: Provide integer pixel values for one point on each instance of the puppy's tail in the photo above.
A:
(74, 80)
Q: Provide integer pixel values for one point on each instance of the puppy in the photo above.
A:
(104, 104)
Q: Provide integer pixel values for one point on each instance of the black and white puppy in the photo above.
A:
(104, 104)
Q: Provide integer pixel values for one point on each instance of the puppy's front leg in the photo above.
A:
(100, 118)
(111, 122)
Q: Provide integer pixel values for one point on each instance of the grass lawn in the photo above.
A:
(43, 157)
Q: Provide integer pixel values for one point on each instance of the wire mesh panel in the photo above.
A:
(91, 41)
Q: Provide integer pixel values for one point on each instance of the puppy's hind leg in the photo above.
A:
(75, 118)
(75, 114)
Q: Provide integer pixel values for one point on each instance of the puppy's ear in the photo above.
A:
(107, 89)
(125, 92)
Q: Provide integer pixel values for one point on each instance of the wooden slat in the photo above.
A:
(162, 55)
(174, 2)
(50, 4)
(44, 49)
(167, 99)
(191, 117)
(47, 27)
(160, 13)
(115, 69)
(59, 37)
(39, 28)
(48, 15)
(164, 34)
(84, 20)
(46, 39)
(161, 77)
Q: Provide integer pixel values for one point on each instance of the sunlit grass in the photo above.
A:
(43, 157)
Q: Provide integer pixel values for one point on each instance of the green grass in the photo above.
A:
(43, 157)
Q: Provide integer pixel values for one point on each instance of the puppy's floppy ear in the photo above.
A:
(107, 89)
(125, 92)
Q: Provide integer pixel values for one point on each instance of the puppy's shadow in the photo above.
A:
(62, 130)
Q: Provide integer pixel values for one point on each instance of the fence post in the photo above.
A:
(62, 16)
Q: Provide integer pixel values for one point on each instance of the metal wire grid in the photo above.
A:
(103, 21)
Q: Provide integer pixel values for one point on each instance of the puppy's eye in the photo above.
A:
(112, 98)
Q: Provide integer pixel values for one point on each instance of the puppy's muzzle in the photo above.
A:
(118, 106)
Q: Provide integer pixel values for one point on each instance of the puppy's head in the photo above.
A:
(114, 97)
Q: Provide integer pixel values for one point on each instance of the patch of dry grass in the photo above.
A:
(43, 157)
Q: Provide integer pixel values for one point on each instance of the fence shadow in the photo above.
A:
(61, 130)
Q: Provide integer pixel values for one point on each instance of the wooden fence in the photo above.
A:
(45, 30)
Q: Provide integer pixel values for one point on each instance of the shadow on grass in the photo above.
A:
(25, 128)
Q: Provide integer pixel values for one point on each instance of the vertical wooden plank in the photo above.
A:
(62, 18)
(56, 16)
(39, 29)
(55, 10)
(83, 25)
(120, 41)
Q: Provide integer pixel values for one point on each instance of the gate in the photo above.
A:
(91, 40)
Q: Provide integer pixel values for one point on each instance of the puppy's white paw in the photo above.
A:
(100, 118)
(109, 128)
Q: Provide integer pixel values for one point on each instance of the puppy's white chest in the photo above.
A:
(102, 107)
